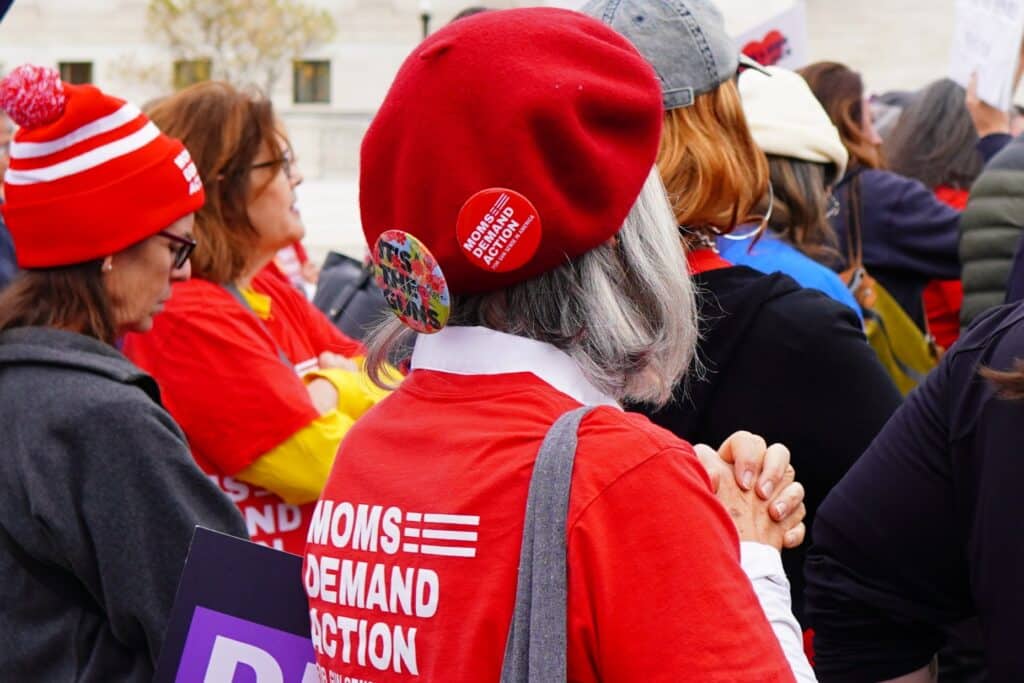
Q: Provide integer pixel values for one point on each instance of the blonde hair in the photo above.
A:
(714, 172)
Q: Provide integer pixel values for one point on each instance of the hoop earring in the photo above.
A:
(761, 227)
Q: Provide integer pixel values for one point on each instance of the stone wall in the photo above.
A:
(895, 44)
(901, 44)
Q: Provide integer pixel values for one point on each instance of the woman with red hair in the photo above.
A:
(260, 380)
(758, 332)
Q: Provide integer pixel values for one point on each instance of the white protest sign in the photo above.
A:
(986, 40)
(778, 41)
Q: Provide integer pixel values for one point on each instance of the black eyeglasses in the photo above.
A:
(285, 160)
(186, 245)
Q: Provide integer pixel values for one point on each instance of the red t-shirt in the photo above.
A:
(222, 380)
(952, 197)
(943, 298)
(412, 558)
(704, 259)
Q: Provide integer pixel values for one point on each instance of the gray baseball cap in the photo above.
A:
(684, 40)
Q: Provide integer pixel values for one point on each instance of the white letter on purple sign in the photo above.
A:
(229, 653)
(310, 675)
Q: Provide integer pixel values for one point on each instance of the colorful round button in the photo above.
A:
(412, 281)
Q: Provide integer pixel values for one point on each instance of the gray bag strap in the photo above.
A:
(536, 647)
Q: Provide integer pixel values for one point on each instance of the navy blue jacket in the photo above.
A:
(910, 237)
(923, 532)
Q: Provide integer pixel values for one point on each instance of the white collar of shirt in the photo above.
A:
(482, 351)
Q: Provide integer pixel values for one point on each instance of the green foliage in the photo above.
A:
(248, 42)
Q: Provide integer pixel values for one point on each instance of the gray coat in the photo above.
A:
(99, 497)
(990, 228)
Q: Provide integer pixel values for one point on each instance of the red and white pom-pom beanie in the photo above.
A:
(89, 174)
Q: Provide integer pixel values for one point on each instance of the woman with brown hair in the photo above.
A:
(99, 494)
(781, 361)
(805, 158)
(909, 236)
(260, 380)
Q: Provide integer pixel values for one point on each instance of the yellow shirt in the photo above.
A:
(297, 469)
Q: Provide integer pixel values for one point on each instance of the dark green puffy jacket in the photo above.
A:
(990, 228)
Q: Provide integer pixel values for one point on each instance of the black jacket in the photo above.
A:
(791, 365)
(925, 530)
(99, 497)
(910, 237)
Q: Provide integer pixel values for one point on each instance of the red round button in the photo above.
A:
(498, 230)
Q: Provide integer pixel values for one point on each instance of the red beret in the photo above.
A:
(548, 103)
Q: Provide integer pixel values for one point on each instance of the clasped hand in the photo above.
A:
(757, 485)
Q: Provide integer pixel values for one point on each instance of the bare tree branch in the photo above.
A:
(247, 41)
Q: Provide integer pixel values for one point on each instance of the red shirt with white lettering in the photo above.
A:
(223, 381)
(413, 553)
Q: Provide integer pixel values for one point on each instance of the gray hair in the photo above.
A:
(934, 140)
(624, 311)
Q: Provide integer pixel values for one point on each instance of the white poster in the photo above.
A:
(986, 40)
(779, 41)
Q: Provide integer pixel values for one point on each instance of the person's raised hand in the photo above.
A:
(987, 119)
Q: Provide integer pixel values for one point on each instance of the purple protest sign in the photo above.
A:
(220, 647)
(240, 616)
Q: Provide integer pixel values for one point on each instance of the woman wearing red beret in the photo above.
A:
(520, 230)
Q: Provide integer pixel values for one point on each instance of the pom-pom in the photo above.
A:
(32, 96)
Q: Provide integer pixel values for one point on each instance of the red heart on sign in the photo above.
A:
(769, 50)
